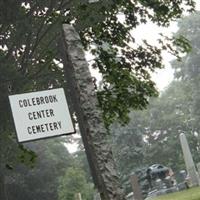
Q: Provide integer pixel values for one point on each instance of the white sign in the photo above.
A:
(41, 114)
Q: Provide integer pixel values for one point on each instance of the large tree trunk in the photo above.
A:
(89, 116)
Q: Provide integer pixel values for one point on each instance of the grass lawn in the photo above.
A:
(190, 194)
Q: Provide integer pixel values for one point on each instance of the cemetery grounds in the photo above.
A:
(190, 194)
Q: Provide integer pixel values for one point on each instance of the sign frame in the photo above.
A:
(65, 112)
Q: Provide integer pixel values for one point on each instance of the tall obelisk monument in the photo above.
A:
(191, 170)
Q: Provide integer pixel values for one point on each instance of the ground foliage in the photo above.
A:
(191, 194)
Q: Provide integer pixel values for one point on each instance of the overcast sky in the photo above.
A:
(150, 31)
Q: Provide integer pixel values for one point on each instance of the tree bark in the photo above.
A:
(89, 116)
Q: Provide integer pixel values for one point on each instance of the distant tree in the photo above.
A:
(41, 180)
(80, 160)
(166, 118)
(73, 182)
(152, 135)
(188, 70)
(175, 111)
(128, 146)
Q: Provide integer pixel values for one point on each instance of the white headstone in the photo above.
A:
(191, 170)
(41, 114)
(198, 168)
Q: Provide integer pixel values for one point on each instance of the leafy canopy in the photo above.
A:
(29, 34)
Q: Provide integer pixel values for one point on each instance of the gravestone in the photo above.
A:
(137, 193)
(191, 170)
(198, 168)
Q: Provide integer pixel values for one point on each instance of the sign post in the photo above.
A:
(41, 114)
